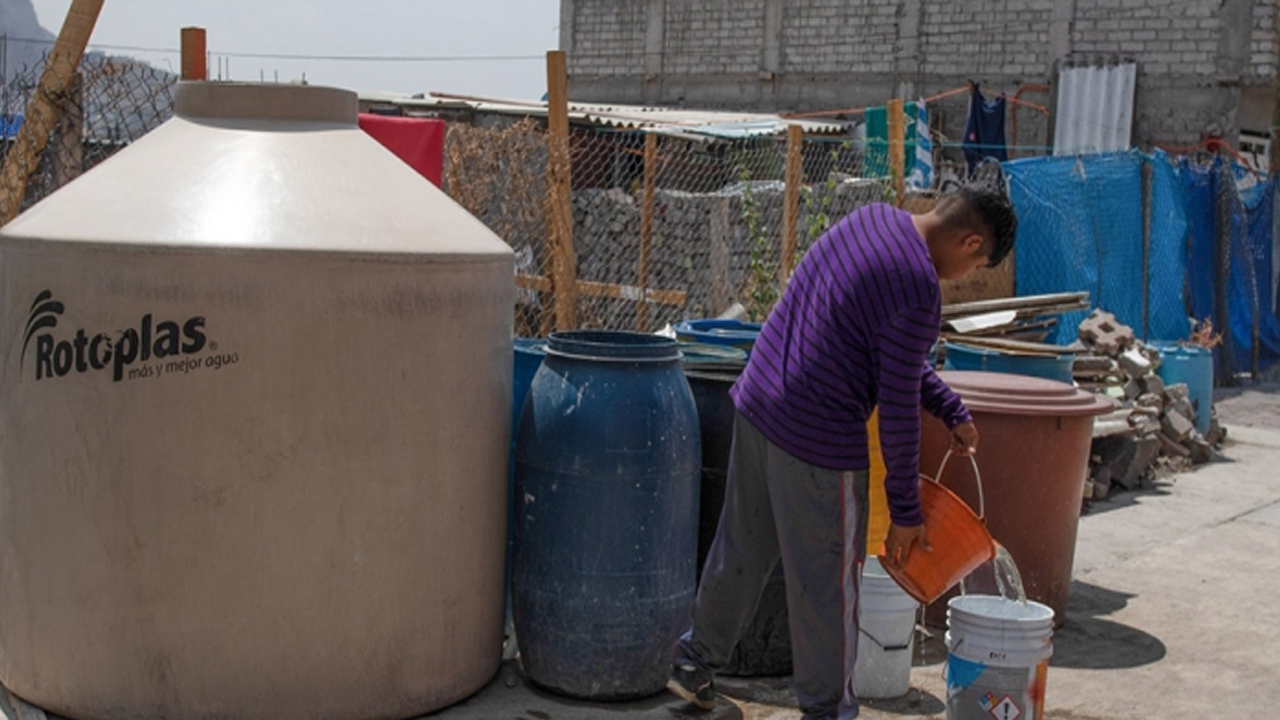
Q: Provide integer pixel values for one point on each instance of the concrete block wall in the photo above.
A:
(995, 40)
(713, 36)
(1263, 46)
(832, 36)
(607, 39)
(1194, 56)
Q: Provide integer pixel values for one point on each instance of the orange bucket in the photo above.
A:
(959, 538)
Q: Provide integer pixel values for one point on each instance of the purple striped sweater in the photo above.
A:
(853, 330)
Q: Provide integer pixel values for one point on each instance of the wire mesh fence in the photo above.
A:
(664, 228)
(52, 132)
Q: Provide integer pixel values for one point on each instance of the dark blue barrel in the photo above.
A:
(764, 648)
(528, 354)
(607, 464)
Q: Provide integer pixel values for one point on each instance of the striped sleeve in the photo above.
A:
(941, 401)
(903, 345)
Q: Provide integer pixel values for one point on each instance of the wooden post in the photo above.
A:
(560, 190)
(42, 112)
(794, 178)
(646, 229)
(897, 149)
(195, 58)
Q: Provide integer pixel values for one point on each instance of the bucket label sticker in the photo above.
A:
(149, 347)
(1006, 709)
(962, 673)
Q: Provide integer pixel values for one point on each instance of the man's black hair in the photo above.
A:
(987, 210)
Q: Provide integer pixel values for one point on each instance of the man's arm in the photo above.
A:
(941, 401)
(903, 345)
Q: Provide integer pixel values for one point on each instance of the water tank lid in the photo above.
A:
(257, 101)
(261, 167)
(1024, 395)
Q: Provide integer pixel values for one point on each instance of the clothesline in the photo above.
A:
(1210, 145)
(927, 101)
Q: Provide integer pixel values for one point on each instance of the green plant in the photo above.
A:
(763, 291)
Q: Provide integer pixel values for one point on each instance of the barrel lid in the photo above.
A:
(1023, 395)
(1180, 349)
(613, 346)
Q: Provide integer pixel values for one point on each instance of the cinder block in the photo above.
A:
(1177, 426)
(1152, 384)
(1103, 331)
(1177, 391)
(1134, 363)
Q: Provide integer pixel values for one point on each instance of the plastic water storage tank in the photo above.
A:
(253, 443)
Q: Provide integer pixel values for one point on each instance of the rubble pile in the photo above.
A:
(1154, 425)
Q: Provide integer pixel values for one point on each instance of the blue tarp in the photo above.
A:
(1080, 228)
(1167, 278)
(1250, 211)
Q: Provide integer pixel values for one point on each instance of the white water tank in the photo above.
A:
(253, 426)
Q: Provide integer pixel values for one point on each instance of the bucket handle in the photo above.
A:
(889, 648)
(982, 505)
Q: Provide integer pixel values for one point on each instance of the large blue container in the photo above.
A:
(1194, 366)
(528, 355)
(607, 463)
(733, 333)
(967, 357)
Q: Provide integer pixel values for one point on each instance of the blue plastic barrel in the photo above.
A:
(1192, 365)
(967, 357)
(528, 358)
(733, 333)
(607, 463)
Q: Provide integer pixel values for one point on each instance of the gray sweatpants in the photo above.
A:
(814, 519)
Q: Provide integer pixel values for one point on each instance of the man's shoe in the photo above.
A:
(693, 686)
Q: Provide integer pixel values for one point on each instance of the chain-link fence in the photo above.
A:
(665, 227)
(52, 133)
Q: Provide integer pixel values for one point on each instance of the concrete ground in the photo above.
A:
(1167, 619)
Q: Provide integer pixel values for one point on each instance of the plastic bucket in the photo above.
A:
(997, 658)
(967, 357)
(1193, 366)
(733, 333)
(887, 625)
(959, 538)
(703, 357)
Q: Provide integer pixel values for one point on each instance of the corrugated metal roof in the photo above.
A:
(690, 124)
(1095, 109)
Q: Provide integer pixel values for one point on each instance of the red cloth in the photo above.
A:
(417, 141)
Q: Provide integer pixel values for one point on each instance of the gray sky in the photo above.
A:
(345, 27)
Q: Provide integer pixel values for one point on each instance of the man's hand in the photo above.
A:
(897, 545)
(964, 439)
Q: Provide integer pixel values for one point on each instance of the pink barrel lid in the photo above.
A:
(1024, 395)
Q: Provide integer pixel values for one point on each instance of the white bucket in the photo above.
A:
(888, 622)
(997, 658)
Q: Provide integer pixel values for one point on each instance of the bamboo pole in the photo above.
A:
(794, 178)
(560, 188)
(42, 112)
(897, 149)
(646, 229)
(195, 58)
